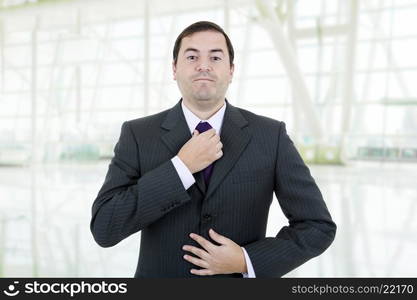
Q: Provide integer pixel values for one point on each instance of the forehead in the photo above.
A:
(204, 40)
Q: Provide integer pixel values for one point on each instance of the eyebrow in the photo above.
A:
(211, 50)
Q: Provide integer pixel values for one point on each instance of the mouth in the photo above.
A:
(203, 79)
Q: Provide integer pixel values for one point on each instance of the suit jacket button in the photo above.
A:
(206, 218)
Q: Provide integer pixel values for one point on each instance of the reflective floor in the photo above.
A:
(45, 214)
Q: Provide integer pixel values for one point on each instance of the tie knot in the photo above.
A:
(203, 126)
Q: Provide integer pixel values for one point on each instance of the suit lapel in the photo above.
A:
(178, 134)
(235, 135)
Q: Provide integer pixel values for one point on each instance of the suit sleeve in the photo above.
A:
(310, 230)
(128, 200)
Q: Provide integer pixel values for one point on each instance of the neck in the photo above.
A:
(204, 110)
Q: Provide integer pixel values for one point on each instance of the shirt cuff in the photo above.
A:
(251, 271)
(185, 175)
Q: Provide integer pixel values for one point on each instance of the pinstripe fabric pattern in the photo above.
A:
(142, 191)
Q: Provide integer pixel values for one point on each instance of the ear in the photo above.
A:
(232, 69)
(174, 70)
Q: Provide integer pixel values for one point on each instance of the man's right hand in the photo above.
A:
(201, 150)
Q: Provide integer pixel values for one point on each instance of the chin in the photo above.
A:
(204, 98)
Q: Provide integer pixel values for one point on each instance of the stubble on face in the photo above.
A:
(202, 90)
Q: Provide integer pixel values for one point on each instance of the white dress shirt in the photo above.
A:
(184, 173)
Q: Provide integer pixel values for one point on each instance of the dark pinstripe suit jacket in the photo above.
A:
(143, 192)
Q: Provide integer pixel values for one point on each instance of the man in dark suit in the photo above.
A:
(198, 179)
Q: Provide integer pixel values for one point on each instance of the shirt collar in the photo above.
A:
(215, 120)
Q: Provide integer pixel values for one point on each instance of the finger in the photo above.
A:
(203, 272)
(203, 242)
(218, 237)
(195, 132)
(196, 261)
(197, 251)
(211, 132)
(219, 146)
(215, 138)
(219, 154)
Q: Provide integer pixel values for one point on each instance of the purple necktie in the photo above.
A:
(201, 127)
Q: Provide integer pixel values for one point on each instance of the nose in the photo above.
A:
(204, 65)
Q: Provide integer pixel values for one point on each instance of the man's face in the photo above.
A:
(203, 72)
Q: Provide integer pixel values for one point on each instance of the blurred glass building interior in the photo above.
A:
(340, 73)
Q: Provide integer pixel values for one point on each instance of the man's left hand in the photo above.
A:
(224, 259)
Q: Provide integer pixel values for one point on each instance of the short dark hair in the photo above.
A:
(198, 27)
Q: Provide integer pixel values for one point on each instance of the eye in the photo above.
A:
(191, 57)
(216, 58)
